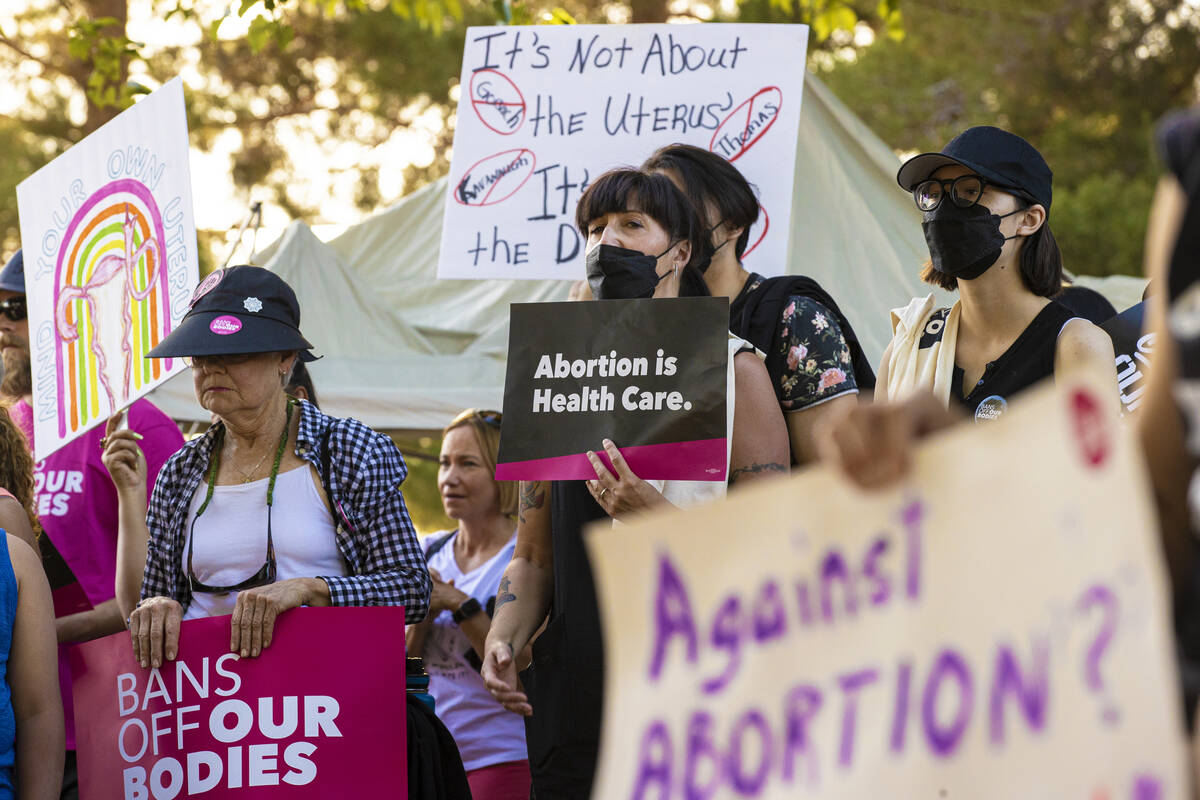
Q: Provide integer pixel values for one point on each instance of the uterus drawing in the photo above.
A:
(109, 295)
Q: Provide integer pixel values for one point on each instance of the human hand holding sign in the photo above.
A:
(253, 623)
(872, 445)
(154, 629)
(123, 457)
(623, 493)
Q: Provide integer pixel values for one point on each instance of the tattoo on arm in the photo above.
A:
(504, 595)
(754, 469)
(533, 496)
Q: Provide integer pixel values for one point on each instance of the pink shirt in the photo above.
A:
(77, 506)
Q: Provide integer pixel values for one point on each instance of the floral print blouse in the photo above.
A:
(816, 354)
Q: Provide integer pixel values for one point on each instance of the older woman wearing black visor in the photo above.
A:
(276, 506)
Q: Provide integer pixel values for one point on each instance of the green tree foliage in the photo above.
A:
(1083, 80)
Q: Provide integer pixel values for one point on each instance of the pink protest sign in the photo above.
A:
(321, 713)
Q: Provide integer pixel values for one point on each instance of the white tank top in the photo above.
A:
(231, 536)
(689, 494)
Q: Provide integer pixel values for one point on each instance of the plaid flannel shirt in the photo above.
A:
(374, 532)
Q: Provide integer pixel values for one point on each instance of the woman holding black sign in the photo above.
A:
(643, 240)
(816, 364)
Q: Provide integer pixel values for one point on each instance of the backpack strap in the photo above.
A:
(438, 544)
(771, 298)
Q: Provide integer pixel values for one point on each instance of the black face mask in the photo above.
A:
(705, 260)
(964, 242)
(616, 273)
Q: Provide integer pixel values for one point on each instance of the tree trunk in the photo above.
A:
(97, 115)
(649, 11)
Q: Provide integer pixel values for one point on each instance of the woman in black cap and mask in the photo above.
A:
(276, 506)
(986, 201)
(643, 240)
(985, 198)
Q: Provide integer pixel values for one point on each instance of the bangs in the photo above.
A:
(621, 190)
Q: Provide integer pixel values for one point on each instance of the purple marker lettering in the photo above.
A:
(770, 619)
(701, 757)
(654, 771)
(1147, 787)
(804, 602)
(944, 739)
(881, 590)
(834, 568)
(1030, 689)
(900, 712)
(672, 616)
(911, 516)
(727, 636)
(753, 783)
(851, 682)
(802, 704)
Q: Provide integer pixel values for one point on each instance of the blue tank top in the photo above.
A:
(8, 724)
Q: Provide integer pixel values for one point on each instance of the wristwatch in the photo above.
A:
(468, 609)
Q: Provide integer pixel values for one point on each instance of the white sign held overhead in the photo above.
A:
(110, 264)
(544, 110)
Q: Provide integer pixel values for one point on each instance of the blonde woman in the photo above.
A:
(466, 565)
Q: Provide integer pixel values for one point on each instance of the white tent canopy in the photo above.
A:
(405, 351)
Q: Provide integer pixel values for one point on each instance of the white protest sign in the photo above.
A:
(997, 627)
(544, 110)
(110, 264)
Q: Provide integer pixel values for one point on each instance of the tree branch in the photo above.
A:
(26, 54)
(243, 123)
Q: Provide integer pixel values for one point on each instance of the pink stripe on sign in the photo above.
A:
(699, 460)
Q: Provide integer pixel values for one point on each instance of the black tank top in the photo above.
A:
(1029, 359)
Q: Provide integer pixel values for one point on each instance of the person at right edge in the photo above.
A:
(986, 204)
(1169, 419)
(814, 359)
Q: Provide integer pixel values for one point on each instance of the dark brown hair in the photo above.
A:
(653, 194)
(709, 178)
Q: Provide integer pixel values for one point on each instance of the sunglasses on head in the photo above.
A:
(14, 308)
(492, 418)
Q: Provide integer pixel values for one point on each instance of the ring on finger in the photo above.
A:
(603, 492)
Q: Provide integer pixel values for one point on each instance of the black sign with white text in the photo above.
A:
(648, 374)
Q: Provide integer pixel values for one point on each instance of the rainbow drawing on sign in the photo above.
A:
(111, 303)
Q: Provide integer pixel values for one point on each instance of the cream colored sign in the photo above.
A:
(994, 628)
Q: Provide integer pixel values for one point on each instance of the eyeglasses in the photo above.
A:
(14, 308)
(965, 191)
(265, 575)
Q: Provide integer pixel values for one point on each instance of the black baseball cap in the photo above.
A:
(238, 310)
(1000, 157)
